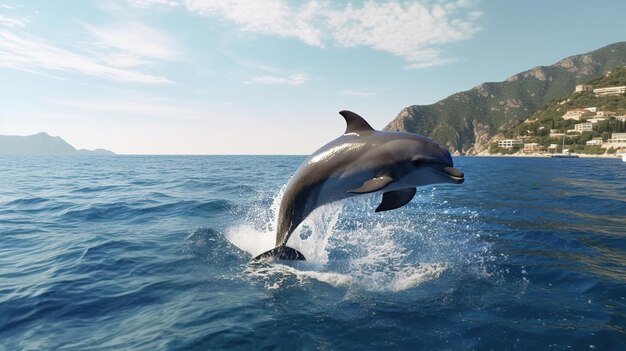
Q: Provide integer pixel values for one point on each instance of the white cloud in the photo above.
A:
(125, 60)
(12, 22)
(358, 93)
(265, 16)
(293, 79)
(133, 44)
(413, 30)
(255, 65)
(410, 30)
(141, 107)
(146, 3)
(28, 53)
(110, 52)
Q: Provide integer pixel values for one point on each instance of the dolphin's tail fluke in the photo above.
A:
(281, 253)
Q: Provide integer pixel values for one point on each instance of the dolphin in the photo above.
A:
(360, 161)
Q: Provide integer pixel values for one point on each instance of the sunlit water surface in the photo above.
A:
(152, 253)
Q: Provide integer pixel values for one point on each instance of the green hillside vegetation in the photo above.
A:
(536, 128)
(466, 121)
(614, 78)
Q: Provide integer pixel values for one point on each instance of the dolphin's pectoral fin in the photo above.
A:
(396, 199)
(373, 185)
(281, 253)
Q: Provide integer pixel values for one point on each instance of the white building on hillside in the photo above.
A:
(605, 113)
(583, 127)
(596, 120)
(583, 87)
(510, 143)
(610, 91)
(617, 140)
(555, 133)
(576, 114)
(595, 141)
(531, 147)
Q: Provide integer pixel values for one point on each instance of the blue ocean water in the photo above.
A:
(152, 252)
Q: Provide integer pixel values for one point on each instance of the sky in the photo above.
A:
(264, 76)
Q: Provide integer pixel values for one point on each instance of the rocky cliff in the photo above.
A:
(465, 121)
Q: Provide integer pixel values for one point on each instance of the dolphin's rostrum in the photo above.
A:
(360, 161)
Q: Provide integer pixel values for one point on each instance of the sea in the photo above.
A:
(153, 253)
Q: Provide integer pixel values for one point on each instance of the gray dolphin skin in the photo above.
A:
(360, 161)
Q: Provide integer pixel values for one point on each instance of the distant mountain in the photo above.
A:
(466, 121)
(42, 144)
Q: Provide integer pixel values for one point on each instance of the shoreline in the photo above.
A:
(617, 156)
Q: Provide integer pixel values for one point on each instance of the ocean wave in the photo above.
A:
(124, 210)
(27, 201)
(97, 188)
(236, 189)
(159, 263)
(211, 245)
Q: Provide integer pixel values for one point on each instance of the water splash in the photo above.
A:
(347, 244)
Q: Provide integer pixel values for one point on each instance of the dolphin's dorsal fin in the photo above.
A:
(355, 123)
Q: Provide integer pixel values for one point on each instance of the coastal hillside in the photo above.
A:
(589, 120)
(42, 144)
(465, 122)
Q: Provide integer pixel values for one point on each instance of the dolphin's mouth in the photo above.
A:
(457, 176)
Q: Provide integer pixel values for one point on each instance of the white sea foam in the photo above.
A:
(274, 274)
(250, 239)
(363, 250)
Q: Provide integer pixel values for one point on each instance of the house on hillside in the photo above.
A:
(583, 127)
(605, 113)
(530, 147)
(610, 91)
(617, 140)
(577, 114)
(510, 143)
(555, 133)
(595, 142)
(596, 120)
(583, 87)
